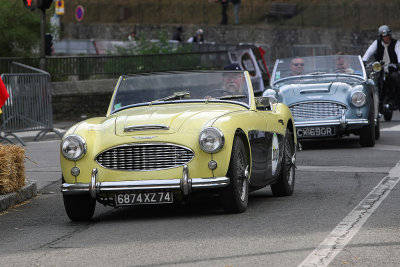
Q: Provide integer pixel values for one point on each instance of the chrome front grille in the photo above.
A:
(145, 157)
(317, 110)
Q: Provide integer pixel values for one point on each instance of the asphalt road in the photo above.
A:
(345, 212)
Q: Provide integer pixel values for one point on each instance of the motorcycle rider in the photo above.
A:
(386, 49)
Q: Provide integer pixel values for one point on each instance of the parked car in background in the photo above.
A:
(252, 58)
(168, 136)
(329, 96)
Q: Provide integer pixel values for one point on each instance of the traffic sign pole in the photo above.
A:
(42, 59)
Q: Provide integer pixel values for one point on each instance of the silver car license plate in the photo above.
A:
(141, 198)
(315, 131)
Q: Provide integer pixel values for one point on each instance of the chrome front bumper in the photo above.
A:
(186, 185)
(332, 122)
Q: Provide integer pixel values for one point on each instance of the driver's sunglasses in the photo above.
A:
(298, 64)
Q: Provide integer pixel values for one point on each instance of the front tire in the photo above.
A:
(367, 133)
(235, 197)
(285, 184)
(79, 207)
(387, 114)
(377, 128)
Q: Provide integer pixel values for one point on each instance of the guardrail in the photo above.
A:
(28, 107)
(111, 66)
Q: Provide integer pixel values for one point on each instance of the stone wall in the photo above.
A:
(73, 100)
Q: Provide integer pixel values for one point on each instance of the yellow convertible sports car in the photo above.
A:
(169, 136)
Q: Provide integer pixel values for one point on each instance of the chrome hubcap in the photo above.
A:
(242, 174)
(291, 169)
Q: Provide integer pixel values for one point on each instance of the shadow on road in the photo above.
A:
(346, 142)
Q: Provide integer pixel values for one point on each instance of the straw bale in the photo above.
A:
(18, 154)
(12, 168)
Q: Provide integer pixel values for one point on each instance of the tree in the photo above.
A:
(20, 29)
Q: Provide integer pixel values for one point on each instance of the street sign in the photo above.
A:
(60, 7)
(79, 13)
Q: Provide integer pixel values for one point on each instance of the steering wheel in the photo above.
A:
(212, 93)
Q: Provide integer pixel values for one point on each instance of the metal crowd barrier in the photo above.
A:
(28, 107)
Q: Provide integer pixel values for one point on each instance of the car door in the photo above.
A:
(267, 148)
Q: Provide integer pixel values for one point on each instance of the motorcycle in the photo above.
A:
(389, 94)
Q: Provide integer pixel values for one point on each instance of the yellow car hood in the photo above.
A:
(168, 119)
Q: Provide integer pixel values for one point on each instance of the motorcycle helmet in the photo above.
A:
(384, 30)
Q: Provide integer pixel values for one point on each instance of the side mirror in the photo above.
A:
(265, 102)
(272, 99)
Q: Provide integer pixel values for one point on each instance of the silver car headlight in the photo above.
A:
(211, 140)
(73, 147)
(358, 98)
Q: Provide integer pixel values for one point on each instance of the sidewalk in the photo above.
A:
(42, 164)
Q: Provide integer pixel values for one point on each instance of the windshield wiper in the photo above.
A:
(230, 97)
(175, 96)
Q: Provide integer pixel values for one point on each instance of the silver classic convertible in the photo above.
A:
(329, 96)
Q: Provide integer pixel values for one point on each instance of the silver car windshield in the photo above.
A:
(162, 88)
(303, 68)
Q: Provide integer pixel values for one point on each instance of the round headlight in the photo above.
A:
(73, 147)
(211, 140)
(376, 66)
(358, 99)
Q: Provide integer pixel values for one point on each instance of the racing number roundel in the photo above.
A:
(275, 153)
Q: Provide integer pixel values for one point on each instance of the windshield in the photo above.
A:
(303, 68)
(181, 87)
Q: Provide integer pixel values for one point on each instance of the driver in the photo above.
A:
(297, 66)
(386, 49)
(233, 83)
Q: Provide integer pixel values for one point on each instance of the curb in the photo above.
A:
(11, 199)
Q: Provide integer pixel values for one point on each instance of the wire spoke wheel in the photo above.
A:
(285, 184)
(235, 197)
(241, 178)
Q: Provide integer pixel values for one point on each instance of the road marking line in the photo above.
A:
(343, 169)
(386, 147)
(395, 128)
(349, 226)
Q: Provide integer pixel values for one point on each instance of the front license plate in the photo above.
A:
(143, 198)
(315, 131)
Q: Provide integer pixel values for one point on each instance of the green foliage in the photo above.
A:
(150, 56)
(148, 47)
(20, 29)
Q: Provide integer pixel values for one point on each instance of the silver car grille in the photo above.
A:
(317, 110)
(145, 157)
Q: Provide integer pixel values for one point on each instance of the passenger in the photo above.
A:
(342, 64)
